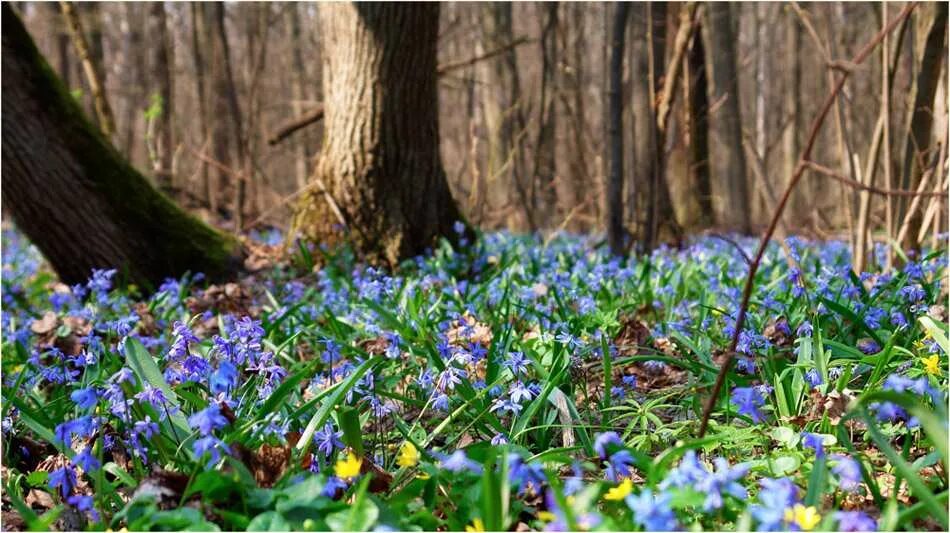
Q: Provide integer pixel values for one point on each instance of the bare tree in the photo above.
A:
(616, 234)
(379, 175)
(932, 23)
(698, 112)
(725, 133)
(543, 185)
(162, 67)
(92, 67)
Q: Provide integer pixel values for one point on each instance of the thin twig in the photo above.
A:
(868, 188)
(767, 236)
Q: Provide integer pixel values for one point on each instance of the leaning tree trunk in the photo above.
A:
(75, 197)
(379, 174)
(725, 129)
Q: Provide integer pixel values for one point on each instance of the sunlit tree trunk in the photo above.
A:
(382, 187)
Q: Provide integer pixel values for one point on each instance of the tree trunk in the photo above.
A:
(917, 144)
(726, 155)
(698, 111)
(298, 93)
(75, 197)
(380, 172)
(544, 163)
(790, 143)
(504, 116)
(92, 68)
(615, 230)
(163, 72)
(199, 31)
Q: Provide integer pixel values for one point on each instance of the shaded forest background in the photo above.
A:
(199, 93)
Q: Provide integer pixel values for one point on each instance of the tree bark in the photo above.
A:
(298, 93)
(917, 145)
(75, 197)
(504, 116)
(545, 160)
(614, 186)
(379, 174)
(793, 116)
(725, 134)
(199, 31)
(698, 111)
(92, 68)
(163, 72)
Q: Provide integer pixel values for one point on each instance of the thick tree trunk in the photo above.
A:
(75, 197)
(298, 93)
(725, 134)
(917, 144)
(615, 230)
(380, 173)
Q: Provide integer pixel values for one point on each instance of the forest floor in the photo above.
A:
(513, 383)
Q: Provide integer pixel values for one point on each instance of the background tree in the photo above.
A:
(727, 159)
(379, 174)
(616, 234)
(75, 197)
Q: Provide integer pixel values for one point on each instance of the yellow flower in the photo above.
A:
(619, 492)
(804, 517)
(348, 468)
(546, 516)
(408, 455)
(932, 364)
(477, 525)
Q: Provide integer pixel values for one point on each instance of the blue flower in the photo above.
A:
(813, 378)
(334, 485)
(688, 473)
(605, 442)
(525, 475)
(459, 462)
(86, 460)
(328, 440)
(517, 363)
(207, 420)
(64, 478)
(814, 441)
(868, 346)
(748, 400)
(723, 480)
(855, 521)
(519, 393)
(84, 504)
(775, 496)
(652, 513)
(849, 473)
(499, 439)
(209, 445)
(619, 465)
(805, 329)
(84, 398)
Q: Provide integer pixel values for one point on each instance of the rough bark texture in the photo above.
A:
(545, 192)
(725, 135)
(615, 230)
(380, 163)
(792, 104)
(92, 66)
(77, 199)
(698, 109)
(917, 146)
(504, 117)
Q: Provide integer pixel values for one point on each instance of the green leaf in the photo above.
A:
(269, 521)
(785, 436)
(349, 419)
(323, 414)
(361, 515)
(147, 371)
(937, 331)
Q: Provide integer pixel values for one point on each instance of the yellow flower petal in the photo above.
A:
(805, 518)
(931, 364)
(619, 492)
(546, 516)
(348, 468)
(408, 455)
(477, 525)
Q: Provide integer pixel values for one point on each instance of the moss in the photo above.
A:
(172, 241)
